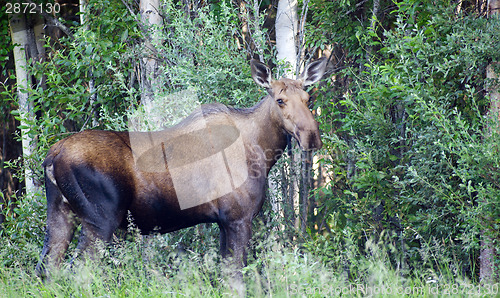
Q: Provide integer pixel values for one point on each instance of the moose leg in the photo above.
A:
(86, 243)
(60, 228)
(234, 241)
(99, 203)
(93, 231)
(238, 234)
(223, 242)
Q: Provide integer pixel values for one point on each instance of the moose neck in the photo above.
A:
(270, 136)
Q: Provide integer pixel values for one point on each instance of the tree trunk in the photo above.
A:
(286, 33)
(301, 37)
(305, 185)
(92, 89)
(252, 36)
(487, 254)
(152, 20)
(22, 50)
(373, 24)
(244, 20)
(83, 9)
(289, 50)
(286, 46)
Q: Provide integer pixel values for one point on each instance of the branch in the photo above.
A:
(131, 11)
(139, 22)
(357, 6)
(257, 29)
(55, 22)
(302, 33)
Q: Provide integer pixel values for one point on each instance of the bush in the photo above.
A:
(416, 158)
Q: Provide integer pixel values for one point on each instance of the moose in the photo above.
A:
(209, 168)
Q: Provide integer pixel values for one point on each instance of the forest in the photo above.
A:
(403, 199)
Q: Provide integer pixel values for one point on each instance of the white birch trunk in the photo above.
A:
(286, 45)
(151, 19)
(83, 7)
(286, 35)
(19, 36)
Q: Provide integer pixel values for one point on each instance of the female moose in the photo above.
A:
(211, 167)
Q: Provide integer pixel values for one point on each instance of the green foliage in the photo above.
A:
(152, 267)
(410, 158)
(419, 156)
(201, 53)
(62, 104)
(6, 45)
(20, 225)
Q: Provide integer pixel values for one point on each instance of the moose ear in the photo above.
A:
(261, 73)
(314, 72)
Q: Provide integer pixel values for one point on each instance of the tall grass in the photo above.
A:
(155, 267)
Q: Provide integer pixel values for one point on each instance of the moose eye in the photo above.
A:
(280, 101)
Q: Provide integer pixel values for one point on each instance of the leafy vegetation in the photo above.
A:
(153, 267)
(409, 171)
(414, 125)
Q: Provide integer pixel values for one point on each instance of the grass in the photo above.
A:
(154, 268)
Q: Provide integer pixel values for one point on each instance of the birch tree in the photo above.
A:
(289, 42)
(23, 46)
(286, 31)
(151, 20)
(286, 34)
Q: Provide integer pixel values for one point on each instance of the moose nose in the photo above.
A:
(309, 139)
(314, 141)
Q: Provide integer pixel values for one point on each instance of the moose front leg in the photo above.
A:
(237, 234)
(234, 238)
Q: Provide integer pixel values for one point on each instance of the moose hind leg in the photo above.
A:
(100, 201)
(104, 213)
(89, 237)
(223, 242)
(59, 232)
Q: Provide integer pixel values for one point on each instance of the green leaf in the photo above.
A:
(124, 36)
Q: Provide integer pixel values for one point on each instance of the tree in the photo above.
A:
(151, 21)
(290, 40)
(84, 14)
(286, 47)
(286, 33)
(25, 47)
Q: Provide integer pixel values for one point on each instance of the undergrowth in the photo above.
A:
(156, 266)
